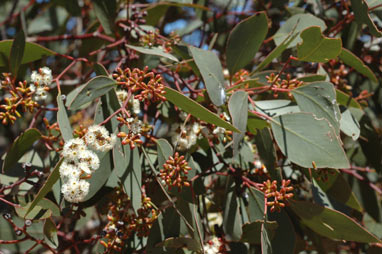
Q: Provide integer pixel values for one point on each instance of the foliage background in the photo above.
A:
(292, 126)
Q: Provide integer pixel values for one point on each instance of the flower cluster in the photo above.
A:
(134, 103)
(123, 221)
(41, 80)
(147, 85)
(279, 197)
(215, 246)
(185, 136)
(15, 97)
(80, 162)
(174, 172)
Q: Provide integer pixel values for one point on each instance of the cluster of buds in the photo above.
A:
(338, 73)
(15, 97)
(123, 222)
(287, 83)
(215, 246)
(152, 38)
(278, 197)
(80, 162)
(50, 138)
(147, 85)
(133, 137)
(174, 172)
(136, 18)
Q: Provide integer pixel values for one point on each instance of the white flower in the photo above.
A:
(42, 77)
(90, 158)
(226, 116)
(122, 96)
(258, 163)
(69, 171)
(136, 106)
(40, 94)
(98, 138)
(212, 247)
(84, 167)
(218, 130)
(136, 126)
(75, 191)
(32, 87)
(36, 77)
(72, 149)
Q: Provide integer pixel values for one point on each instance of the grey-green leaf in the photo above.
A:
(298, 23)
(19, 147)
(63, 120)
(245, 40)
(195, 109)
(349, 125)
(50, 233)
(353, 61)
(316, 47)
(319, 98)
(95, 88)
(212, 72)
(361, 13)
(17, 52)
(305, 139)
(238, 108)
(153, 51)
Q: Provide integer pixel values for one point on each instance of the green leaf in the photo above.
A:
(17, 52)
(284, 239)
(95, 88)
(256, 204)
(276, 107)
(165, 150)
(63, 120)
(295, 25)
(305, 139)
(316, 47)
(353, 61)
(238, 108)
(319, 98)
(105, 10)
(232, 222)
(132, 180)
(20, 146)
(361, 13)
(153, 51)
(179, 243)
(245, 40)
(252, 231)
(212, 72)
(50, 233)
(195, 109)
(52, 179)
(338, 188)
(43, 210)
(349, 125)
(331, 223)
(267, 153)
(346, 100)
(312, 78)
(32, 52)
(255, 123)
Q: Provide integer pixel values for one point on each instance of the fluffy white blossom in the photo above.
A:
(42, 77)
(135, 125)
(72, 149)
(89, 158)
(122, 96)
(218, 130)
(75, 190)
(212, 247)
(99, 138)
(40, 94)
(187, 137)
(136, 106)
(69, 171)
